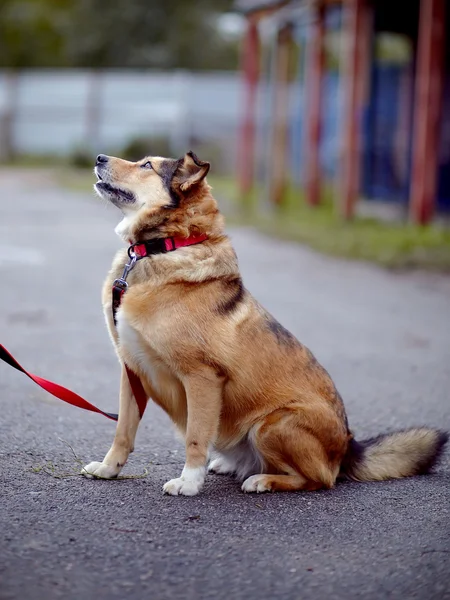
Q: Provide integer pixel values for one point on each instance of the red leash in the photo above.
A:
(135, 252)
(70, 397)
(53, 388)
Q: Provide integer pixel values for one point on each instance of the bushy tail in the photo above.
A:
(394, 455)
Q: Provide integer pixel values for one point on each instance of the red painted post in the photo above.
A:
(279, 160)
(428, 99)
(250, 68)
(315, 58)
(357, 30)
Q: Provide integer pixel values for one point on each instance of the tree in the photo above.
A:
(118, 33)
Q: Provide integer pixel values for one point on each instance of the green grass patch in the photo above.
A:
(390, 244)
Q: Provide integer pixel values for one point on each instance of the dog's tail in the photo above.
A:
(394, 455)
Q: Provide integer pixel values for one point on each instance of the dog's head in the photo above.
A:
(153, 191)
(154, 181)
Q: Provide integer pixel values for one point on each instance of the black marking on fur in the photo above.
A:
(428, 462)
(235, 292)
(166, 171)
(195, 158)
(281, 333)
(354, 456)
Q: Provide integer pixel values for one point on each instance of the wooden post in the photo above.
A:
(280, 118)
(250, 67)
(402, 137)
(355, 77)
(8, 116)
(315, 58)
(428, 99)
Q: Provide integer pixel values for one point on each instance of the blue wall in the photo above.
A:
(386, 162)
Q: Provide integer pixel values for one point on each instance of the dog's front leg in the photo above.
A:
(123, 443)
(204, 402)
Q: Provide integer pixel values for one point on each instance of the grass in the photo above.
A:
(389, 244)
(49, 468)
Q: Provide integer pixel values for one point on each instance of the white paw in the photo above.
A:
(100, 470)
(255, 483)
(180, 487)
(221, 466)
(189, 484)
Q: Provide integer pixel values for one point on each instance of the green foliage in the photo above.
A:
(32, 32)
(81, 158)
(119, 33)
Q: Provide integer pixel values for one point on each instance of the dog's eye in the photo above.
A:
(147, 165)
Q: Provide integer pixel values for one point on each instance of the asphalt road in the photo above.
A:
(385, 339)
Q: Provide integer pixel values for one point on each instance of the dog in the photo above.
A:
(242, 390)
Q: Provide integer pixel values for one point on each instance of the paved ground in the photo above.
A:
(385, 339)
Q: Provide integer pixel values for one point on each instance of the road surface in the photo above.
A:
(384, 337)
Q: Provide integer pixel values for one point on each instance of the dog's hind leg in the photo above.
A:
(222, 465)
(294, 456)
(241, 460)
(123, 443)
(278, 483)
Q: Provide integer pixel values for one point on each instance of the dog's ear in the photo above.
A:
(191, 171)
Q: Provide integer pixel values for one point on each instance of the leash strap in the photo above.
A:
(118, 290)
(135, 252)
(53, 388)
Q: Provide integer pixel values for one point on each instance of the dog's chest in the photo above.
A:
(133, 347)
(166, 389)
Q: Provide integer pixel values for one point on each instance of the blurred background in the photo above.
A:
(326, 123)
(315, 114)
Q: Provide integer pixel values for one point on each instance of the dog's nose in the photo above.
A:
(101, 159)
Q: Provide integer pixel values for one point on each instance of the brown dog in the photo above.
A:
(232, 379)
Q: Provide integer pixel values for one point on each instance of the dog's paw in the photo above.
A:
(181, 487)
(189, 484)
(221, 466)
(100, 470)
(256, 483)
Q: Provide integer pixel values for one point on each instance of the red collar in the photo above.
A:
(162, 245)
(140, 250)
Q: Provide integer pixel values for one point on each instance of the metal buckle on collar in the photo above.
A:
(122, 281)
(131, 253)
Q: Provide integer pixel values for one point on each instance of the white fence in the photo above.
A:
(57, 111)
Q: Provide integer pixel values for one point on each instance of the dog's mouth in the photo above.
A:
(115, 194)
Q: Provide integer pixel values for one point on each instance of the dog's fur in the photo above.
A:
(234, 381)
